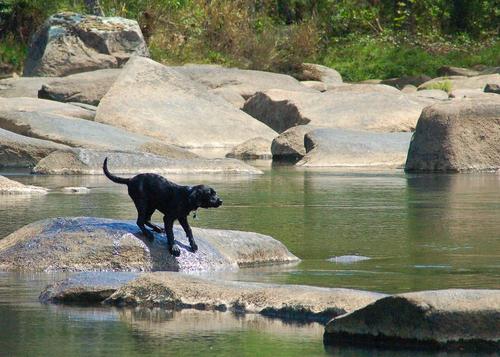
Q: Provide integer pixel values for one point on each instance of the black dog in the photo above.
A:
(152, 192)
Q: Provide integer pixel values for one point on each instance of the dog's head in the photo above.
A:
(204, 197)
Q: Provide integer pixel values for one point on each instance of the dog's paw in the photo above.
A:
(175, 251)
(194, 247)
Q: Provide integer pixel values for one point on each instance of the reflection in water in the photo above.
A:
(420, 231)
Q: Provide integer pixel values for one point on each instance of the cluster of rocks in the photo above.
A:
(118, 267)
(112, 97)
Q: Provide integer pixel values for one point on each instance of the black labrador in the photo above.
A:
(152, 192)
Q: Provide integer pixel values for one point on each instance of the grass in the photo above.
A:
(442, 85)
(12, 52)
(376, 58)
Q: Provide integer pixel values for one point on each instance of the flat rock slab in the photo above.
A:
(87, 87)
(22, 151)
(98, 244)
(76, 132)
(155, 100)
(23, 86)
(11, 187)
(455, 318)
(89, 162)
(34, 105)
(86, 288)
(338, 147)
(245, 82)
(180, 291)
(372, 111)
(461, 135)
(69, 43)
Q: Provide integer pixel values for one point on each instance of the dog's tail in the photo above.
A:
(111, 176)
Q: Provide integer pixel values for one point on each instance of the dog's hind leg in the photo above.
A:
(189, 233)
(172, 248)
(148, 223)
(143, 217)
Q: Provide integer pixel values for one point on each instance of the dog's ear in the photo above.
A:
(194, 197)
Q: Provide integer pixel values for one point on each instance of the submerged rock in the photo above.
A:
(71, 43)
(347, 259)
(11, 187)
(338, 147)
(460, 135)
(99, 244)
(181, 291)
(455, 318)
(151, 99)
(89, 162)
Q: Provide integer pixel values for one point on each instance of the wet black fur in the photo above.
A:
(151, 192)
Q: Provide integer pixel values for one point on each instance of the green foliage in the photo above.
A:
(361, 38)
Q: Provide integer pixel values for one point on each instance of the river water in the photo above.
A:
(419, 231)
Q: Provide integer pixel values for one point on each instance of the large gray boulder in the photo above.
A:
(455, 318)
(77, 132)
(364, 88)
(244, 82)
(462, 82)
(87, 87)
(16, 106)
(71, 43)
(22, 151)
(182, 291)
(98, 244)
(373, 111)
(289, 145)
(89, 162)
(339, 147)
(460, 135)
(11, 187)
(155, 100)
(23, 86)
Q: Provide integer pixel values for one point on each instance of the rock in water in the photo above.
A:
(289, 145)
(89, 162)
(455, 318)
(154, 100)
(183, 291)
(98, 244)
(461, 135)
(11, 187)
(21, 151)
(338, 147)
(70, 43)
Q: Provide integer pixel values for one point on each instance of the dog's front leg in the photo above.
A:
(172, 248)
(185, 225)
